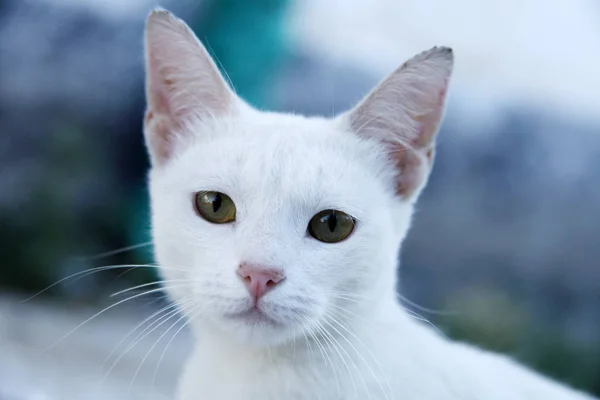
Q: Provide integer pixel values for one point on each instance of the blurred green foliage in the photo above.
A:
(492, 320)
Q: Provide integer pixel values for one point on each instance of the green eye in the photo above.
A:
(215, 207)
(331, 226)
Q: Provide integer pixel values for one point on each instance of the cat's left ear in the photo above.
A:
(404, 113)
(183, 84)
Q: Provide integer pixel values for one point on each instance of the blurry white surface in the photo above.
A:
(74, 369)
(530, 52)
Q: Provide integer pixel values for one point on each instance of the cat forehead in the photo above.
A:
(279, 143)
(283, 153)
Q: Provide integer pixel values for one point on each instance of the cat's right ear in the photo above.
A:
(183, 85)
(404, 113)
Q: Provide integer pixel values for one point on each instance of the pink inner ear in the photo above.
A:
(413, 164)
(429, 122)
(160, 130)
(159, 86)
(411, 171)
(158, 98)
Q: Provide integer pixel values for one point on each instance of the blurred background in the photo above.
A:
(505, 249)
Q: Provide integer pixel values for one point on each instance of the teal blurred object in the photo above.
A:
(248, 40)
(140, 232)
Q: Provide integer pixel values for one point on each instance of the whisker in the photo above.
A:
(318, 343)
(158, 323)
(84, 273)
(424, 309)
(323, 353)
(160, 282)
(305, 329)
(307, 340)
(358, 370)
(141, 336)
(350, 294)
(337, 322)
(101, 312)
(154, 315)
(413, 314)
(166, 347)
(360, 375)
(333, 342)
(294, 350)
(352, 316)
(117, 251)
(161, 287)
(345, 298)
(137, 371)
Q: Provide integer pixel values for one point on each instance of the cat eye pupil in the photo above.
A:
(332, 222)
(331, 226)
(216, 202)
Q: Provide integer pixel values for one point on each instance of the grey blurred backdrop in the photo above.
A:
(505, 246)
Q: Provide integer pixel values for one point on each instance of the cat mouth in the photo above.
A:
(253, 316)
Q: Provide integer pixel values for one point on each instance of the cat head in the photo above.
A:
(271, 226)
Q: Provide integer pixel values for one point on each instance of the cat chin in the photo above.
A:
(258, 331)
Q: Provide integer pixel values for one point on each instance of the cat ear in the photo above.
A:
(404, 113)
(182, 84)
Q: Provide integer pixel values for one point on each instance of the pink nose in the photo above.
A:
(259, 280)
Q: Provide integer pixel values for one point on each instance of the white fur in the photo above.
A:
(340, 333)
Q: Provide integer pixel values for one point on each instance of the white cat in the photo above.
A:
(279, 236)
